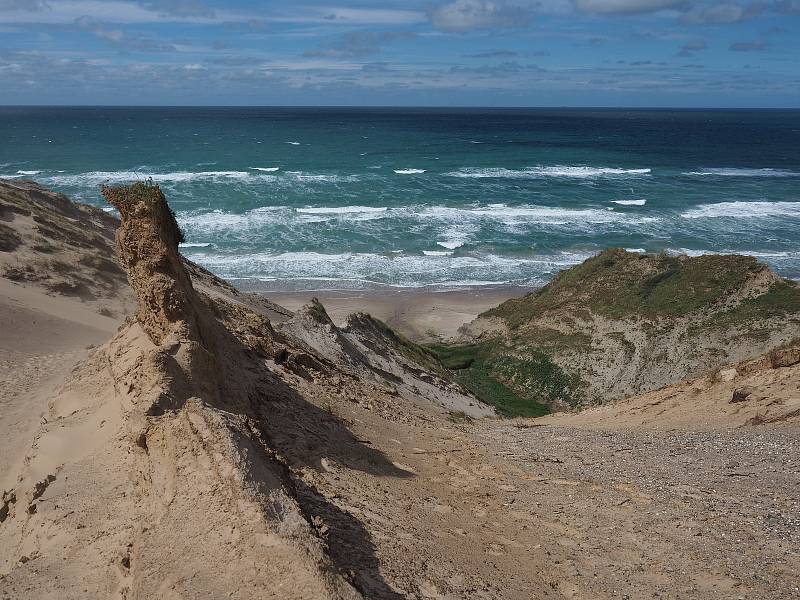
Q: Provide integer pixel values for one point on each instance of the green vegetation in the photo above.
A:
(553, 340)
(616, 284)
(513, 384)
(534, 371)
(9, 240)
(517, 373)
(516, 370)
(782, 299)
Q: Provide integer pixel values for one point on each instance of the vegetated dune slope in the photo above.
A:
(765, 390)
(217, 447)
(625, 323)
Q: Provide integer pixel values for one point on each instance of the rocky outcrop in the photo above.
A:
(147, 246)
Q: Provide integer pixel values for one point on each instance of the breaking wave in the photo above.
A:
(737, 172)
(739, 209)
(564, 171)
(640, 202)
(260, 176)
(456, 226)
(97, 177)
(355, 269)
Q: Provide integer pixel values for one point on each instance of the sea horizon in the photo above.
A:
(424, 107)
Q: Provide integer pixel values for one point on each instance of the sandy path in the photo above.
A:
(41, 339)
(498, 509)
(662, 514)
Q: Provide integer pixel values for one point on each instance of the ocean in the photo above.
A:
(339, 198)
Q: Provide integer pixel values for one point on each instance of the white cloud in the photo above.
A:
(66, 11)
(722, 13)
(359, 16)
(29, 5)
(626, 6)
(467, 15)
(54, 12)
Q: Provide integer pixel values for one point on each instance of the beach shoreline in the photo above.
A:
(423, 315)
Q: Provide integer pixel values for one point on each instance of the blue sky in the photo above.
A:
(413, 52)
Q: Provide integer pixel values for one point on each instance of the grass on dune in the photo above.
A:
(616, 283)
(490, 376)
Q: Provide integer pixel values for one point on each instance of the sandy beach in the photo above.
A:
(422, 315)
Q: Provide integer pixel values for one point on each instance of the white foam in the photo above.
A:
(195, 245)
(437, 252)
(636, 250)
(403, 270)
(532, 214)
(565, 171)
(739, 209)
(351, 213)
(447, 227)
(263, 175)
(28, 172)
(301, 176)
(737, 172)
(753, 253)
(344, 210)
(409, 171)
(293, 143)
(217, 221)
(640, 202)
(123, 176)
(770, 254)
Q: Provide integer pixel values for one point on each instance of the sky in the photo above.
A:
(637, 53)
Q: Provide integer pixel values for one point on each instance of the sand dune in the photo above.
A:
(216, 445)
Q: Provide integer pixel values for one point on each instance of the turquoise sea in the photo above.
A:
(314, 198)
